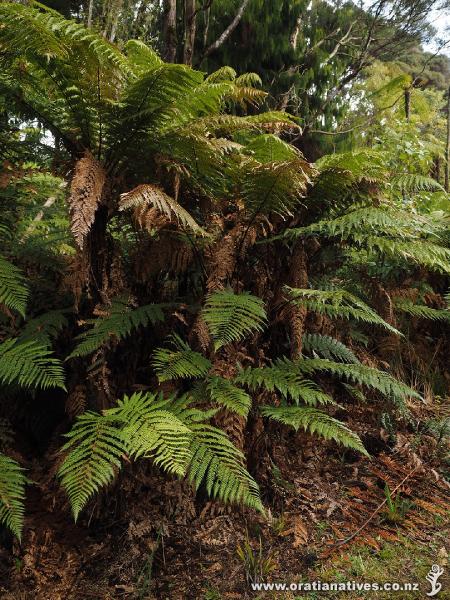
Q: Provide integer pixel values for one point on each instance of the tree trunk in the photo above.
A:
(298, 278)
(407, 103)
(447, 146)
(170, 30)
(90, 11)
(189, 31)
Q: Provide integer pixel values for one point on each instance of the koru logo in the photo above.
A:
(435, 572)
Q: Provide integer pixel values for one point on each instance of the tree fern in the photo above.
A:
(338, 303)
(316, 422)
(327, 347)
(12, 494)
(179, 363)
(13, 289)
(118, 324)
(29, 364)
(231, 316)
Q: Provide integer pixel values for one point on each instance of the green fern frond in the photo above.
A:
(44, 328)
(355, 373)
(218, 464)
(338, 303)
(316, 422)
(328, 347)
(180, 363)
(422, 252)
(231, 316)
(152, 99)
(248, 80)
(118, 324)
(411, 182)
(275, 187)
(29, 364)
(12, 495)
(268, 148)
(94, 451)
(25, 32)
(422, 311)
(141, 57)
(13, 289)
(288, 382)
(380, 220)
(151, 431)
(223, 392)
(225, 73)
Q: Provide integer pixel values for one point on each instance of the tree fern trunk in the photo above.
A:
(298, 278)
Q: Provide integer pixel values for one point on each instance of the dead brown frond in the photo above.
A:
(149, 201)
(85, 195)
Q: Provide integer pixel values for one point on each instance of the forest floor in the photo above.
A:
(152, 539)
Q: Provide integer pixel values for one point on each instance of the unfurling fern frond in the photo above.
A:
(422, 311)
(29, 364)
(13, 289)
(180, 363)
(327, 347)
(315, 421)
(150, 430)
(152, 197)
(338, 303)
(231, 316)
(288, 382)
(12, 494)
(94, 451)
(118, 324)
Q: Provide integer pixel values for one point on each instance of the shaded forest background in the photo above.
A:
(224, 292)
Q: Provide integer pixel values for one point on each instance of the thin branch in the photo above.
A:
(228, 31)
